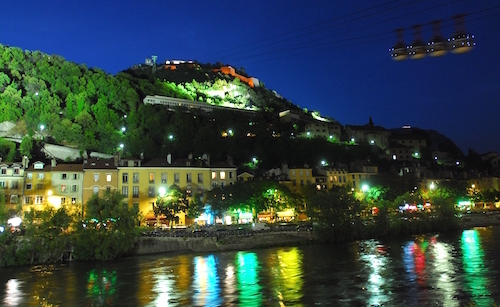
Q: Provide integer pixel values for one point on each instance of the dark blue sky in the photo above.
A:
(329, 56)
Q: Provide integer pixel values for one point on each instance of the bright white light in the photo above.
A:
(123, 129)
(42, 127)
(15, 221)
(162, 191)
(121, 146)
(365, 188)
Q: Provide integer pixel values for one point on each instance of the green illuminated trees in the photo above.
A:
(171, 203)
(108, 229)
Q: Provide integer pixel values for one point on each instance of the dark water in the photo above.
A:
(429, 270)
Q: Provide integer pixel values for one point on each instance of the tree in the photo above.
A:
(26, 146)
(108, 230)
(171, 203)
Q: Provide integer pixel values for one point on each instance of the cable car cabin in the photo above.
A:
(437, 46)
(417, 50)
(461, 43)
(398, 52)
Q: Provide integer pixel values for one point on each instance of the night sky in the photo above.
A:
(329, 56)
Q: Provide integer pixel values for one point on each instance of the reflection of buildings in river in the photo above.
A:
(473, 266)
(248, 279)
(287, 273)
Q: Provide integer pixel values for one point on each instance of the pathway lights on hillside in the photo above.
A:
(123, 129)
(171, 137)
(121, 146)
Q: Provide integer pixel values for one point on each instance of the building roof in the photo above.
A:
(68, 168)
(99, 163)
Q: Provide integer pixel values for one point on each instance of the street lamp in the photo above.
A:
(365, 188)
(432, 186)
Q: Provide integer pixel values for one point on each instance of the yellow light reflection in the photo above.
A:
(287, 276)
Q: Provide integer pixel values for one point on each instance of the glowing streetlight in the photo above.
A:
(171, 137)
(432, 186)
(121, 146)
(123, 129)
(42, 127)
(162, 191)
(365, 188)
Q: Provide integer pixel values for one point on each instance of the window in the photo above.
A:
(294, 183)
(96, 190)
(75, 176)
(301, 173)
(230, 175)
(38, 200)
(222, 184)
(63, 188)
(135, 177)
(29, 176)
(74, 188)
(73, 200)
(125, 191)
(27, 200)
(223, 175)
(14, 199)
(189, 178)
(151, 177)
(108, 177)
(293, 173)
(302, 183)
(177, 177)
(135, 192)
(28, 186)
(39, 186)
(14, 185)
(4, 171)
(307, 173)
(125, 178)
(214, 175)
(200, 178)
(64, 176)
(214, 185)
(40, 176)
(2, 184)
(16, 170)
(163, 177)
(108, 189)
(63, 200)
(96, 177)
(151, 191)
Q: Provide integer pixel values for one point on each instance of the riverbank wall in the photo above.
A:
(165, 245)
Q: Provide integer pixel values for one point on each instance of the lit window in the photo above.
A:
(108, 177)
(63, 200)
(214, 175)
(27, 200)
(222, 175)
(63, 188)
(38, 200)
(151, 178)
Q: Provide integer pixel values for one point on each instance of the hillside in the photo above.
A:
(56, 101)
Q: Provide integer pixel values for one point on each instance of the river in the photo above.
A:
(426, 270)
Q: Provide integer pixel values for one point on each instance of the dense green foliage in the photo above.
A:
(109, 229)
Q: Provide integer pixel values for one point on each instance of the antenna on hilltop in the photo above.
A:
(153, 58)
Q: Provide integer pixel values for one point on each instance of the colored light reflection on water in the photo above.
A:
(248, 279)
(287, 274)
(101, 286)
(12, 293)
(206, 282)
(374, 258)
(474, 268)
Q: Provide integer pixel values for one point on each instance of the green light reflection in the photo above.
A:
(248, 279)
(474, 268)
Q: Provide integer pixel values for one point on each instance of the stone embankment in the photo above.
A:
(160, 245)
